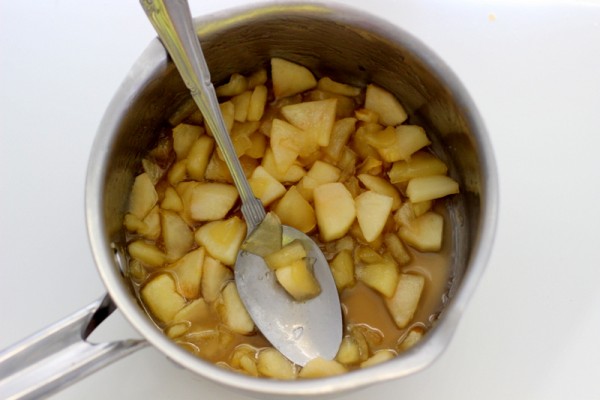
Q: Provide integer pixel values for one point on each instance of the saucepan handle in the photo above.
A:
(60, 354)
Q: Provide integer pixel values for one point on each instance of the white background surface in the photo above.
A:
(532, 329)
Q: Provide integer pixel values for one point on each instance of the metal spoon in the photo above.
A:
(300, 330)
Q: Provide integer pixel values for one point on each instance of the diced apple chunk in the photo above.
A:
(382, 277)
(290, 78)
(258, 101)
(232, 311)
(424, 233)
(293, 174)
(214, 277)
(222, 239)
(403, 304)
(323, 172)
(211, 201)
(188, 270)
(171, 201)
(273, 364)
(320, 368)
(349, 352)
(293, 210)
(196, 316)
(379, 357)
(199, 157)
(264, 186)
(384, 103)
(177, 236)
(241, 104)
(342, 268)
(184, 136)
(335, 210)
(147, 253)
(285, 143)
(397, 248)
(372, 212)
(430, 188)
(286, 255)
(161, 298)
(340, 134)
(315, 118)
(413, 337)
(298, 280)
(332, 86)
(420, 164)
(237, 84)
(143, 196)
(381, 186)
(405, 140)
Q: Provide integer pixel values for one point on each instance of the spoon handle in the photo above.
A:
(172, 21)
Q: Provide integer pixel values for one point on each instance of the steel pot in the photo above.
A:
(330, 40)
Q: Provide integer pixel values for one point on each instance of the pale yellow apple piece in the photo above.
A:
(177, 236)
(372, 212)
(409, 211)
(396, 248)
(298, 280)
(188, 270)
(340, 135)
(244, 358)
(403, 304)
(368, 255)
(421, 163)
(295, 211)
(214, 277)
(177, 172)
(424, 233)
(271, 363)
(171, 201)
(382, 277)
(293, 174)
(306, 187)
(379, 357)
(323, 172)
(335, 210)
(264, 186)
(184, 136)
(258, 77)
(329, 85)
(384, 103)
(289, 78)
(413, 337)
(409, 139)
(349, 352)
(232, 311)
(222, 239)
(381, 186)
(241, 104)
(315, 118)
(258, 100)
(152, 225)
(342, 269)
(286, 255)
(147, 253)
(366, 115)
(430, 188)
(199, 156)
(211, 201)
(320, 368)
(228, 113)
(143, 196)
(161, 298)
(370, 166)
(237, 84)
(285, 143)
(196, 316)
(266, 238)
(258, 145)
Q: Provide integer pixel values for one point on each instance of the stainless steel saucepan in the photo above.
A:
(331, 40)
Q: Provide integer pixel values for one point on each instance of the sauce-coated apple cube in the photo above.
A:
(335, 210)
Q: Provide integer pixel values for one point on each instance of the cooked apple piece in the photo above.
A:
(399, 143)
(264, 186)
(258, 145)
(293, 174)
(323, 172)
(177, 172)
(366, 115)
(430, 187)
(344, 107)
(379, 357)
(329, 85)
(368, 255)
(409, 211)
(371, 166)
(214, 277)
(320, 368)
(154, 171)
(133, 223)
(359, 142)
(237, 84)
(258, 77)
(381, 186)
(222, 239)
(196, 316)
(240, 139)
(258, 100)
(335, 210)
(184, 136)
(286, 255)
(147, 253)
(171, 201)
(424, 233)
(397, 248)
(241, 103)
(372, 212)
(298, 280)
(152, 226)
(232, 311)
(306, 187)
(412, 338)
(177, 236)
(188, 270)
(315, 118)
(285, 143)
(289, 78)
(273, 364)
(295, 211)
(349, 352)
(382, 277)
(244, 358)
(266, 238)
(391, 112)
(342, 268)
(143, 196)
(340, 134)
(421, 163)
(403, 304)
(161, 298)
(199, 156)
(211, 201)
